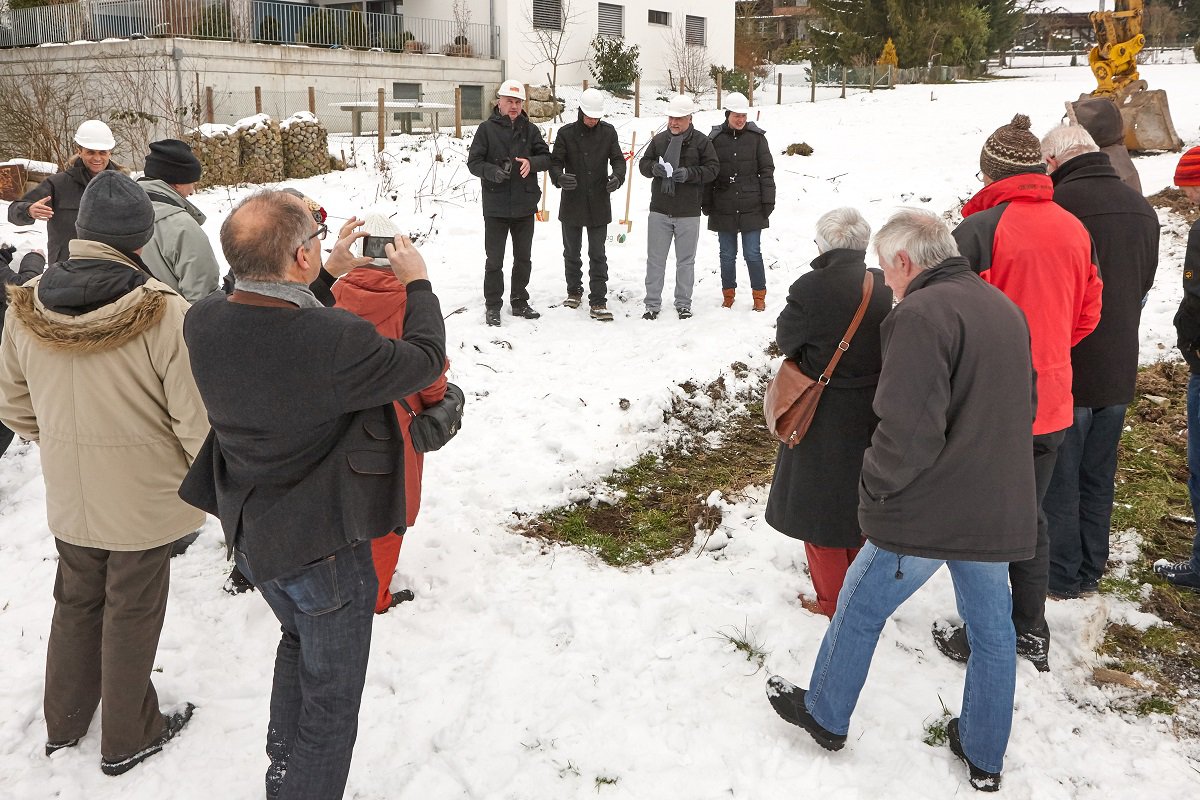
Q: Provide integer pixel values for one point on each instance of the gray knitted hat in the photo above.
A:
(115, 211)
(1011, 150)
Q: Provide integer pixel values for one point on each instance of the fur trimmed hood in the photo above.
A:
(107, 328)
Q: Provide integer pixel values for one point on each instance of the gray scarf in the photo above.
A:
(674, 149)
(296, 293)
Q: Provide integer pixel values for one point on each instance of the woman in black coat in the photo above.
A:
(814, 493)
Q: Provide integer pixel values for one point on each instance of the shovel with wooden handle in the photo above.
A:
(627, 222)
(543, 215)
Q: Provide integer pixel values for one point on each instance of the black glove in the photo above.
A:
(767, 209)
(6, 253)
(680, 174)
(567, 181)
(705, 210)
(614, 183)
(495, 174)
(659, 170)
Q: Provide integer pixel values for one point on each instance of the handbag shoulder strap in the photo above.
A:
(844, 344)
(407, 407)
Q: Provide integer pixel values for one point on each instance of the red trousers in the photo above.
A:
(385, 552)
(827, 566)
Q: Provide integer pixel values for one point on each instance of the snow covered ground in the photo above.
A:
(538, 673)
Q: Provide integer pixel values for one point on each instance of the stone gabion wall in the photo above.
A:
(220, 152)
(262, 150)
(305, 146)
(542, 105)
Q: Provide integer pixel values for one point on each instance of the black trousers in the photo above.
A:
(496, 231)
(572, 236)
(1030, 579)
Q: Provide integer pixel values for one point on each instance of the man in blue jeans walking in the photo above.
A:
(948, 479)
(305, 465)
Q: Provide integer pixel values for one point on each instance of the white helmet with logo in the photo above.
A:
(95, 135)
(737, 103)
(680, 106)
(591, 103)
(511, 88)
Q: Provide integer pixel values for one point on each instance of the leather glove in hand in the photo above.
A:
(495, 174)
(567, 181)
(659, 170)
(680, 174)
(6, 254)
(614, 183)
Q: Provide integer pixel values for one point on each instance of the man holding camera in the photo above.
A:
(305, 465)
(506, 153)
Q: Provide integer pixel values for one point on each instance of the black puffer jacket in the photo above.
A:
(1187, 318)
(498, 140)
(591, 155)
(698, 156)
(64, 189)
(743, 195)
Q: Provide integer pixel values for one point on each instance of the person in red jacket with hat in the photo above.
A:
(1041, 256)
(373, 293)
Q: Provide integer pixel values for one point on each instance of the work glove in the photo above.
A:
(495, 174)
(6, 254)
(680, 174)
(614, 183)
(567, 181)
(659, 170)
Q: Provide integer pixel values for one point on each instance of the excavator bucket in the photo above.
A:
(1148, 123)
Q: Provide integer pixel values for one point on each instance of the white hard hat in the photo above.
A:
(512, 89)
(95, 135)
(591, 103)
(737, 103)
(680, 106)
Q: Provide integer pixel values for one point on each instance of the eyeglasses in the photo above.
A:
(979, 176)
(320, 233)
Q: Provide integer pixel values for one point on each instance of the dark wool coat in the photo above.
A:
(743, 195)
(499, 139)
(1124, 230)
(591, 155)
(949, 474)
(1187, 318)
(65, 190)
(305, 453)
(814, 493)
(700, 159)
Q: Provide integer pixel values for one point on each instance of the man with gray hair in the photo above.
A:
(1124, 231)
(947, 480)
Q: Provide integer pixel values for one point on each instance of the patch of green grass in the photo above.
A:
(936, 734)
(1155, 705)
(1122, 588)
(604, 780)
(745, 641)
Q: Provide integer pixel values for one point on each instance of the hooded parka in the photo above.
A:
(498, 140)
(743, 195)
(65, 190)
(591, 155)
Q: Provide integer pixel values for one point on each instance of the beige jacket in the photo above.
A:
(109, 398)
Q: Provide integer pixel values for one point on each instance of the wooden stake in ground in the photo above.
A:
(382, 123)
(626, 221)
(543, 215)
(457, 112)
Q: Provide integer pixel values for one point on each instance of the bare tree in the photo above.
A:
(549, 42)
(687, 62)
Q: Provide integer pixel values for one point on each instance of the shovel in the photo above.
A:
(543, 215)
(627, 222)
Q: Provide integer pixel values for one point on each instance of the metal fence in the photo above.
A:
(263, 21)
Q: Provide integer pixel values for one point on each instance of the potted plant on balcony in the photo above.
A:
(460, 47)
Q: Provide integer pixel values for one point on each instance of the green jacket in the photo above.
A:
(180, 254)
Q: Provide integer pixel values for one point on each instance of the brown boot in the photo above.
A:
(760, 299)
(728, 301)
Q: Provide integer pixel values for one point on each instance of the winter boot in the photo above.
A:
(54, 747)
(174, 724)
(684, 313)
(600, 312)
(492, 317)
(728, 295)
(760, 299)
(982, 780)
(525, 311)
(573, 299)
(788, 702)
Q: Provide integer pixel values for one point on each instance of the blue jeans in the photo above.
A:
(728, 241)
(1079, 501)
(1193, 449)
(877, 583)
(325, 610)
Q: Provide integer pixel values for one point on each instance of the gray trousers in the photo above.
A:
(660, 231)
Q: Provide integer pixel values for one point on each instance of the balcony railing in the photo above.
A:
(263, 21)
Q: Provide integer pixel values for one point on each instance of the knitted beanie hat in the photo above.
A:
(172, 161)
(1187, 173)
(1011, 150)
(115, 211)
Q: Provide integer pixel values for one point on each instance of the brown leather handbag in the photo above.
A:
(791, 398)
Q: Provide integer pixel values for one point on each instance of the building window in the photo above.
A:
(694, 30)
(547, 15)
(658, 18)
(610, 20)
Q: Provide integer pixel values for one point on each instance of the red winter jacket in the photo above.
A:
(376, 296)
(1040, 255)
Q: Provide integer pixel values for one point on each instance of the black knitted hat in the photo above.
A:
(172, 161)
(115, 211)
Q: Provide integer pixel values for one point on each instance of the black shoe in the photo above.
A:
(982, 780)
(1185, 580)
(684, 313)
(492, 317)
(402, 596)
(525, 311)
(1166, 568)
(54, 747)
(1036, 649)
(237, 583)
(600, 312)
(788, 702)
(573, 300)
(174, 724)
(650, 315)
(952, 641)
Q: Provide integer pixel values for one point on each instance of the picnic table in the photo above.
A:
(408, 110)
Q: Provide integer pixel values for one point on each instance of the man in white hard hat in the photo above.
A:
(588, 166)
(506, 153)
(740, 201)
(681, 160)
(56, 199)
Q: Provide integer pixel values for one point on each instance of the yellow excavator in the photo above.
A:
(1113, 60)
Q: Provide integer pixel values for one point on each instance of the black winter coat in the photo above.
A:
(1187, 318)
(949, 474)
(65, 189)
(814, 493)
(591, 155)
(743, 195)
(497, 140)
(698, 156)
(32, 265)
(1124, 230)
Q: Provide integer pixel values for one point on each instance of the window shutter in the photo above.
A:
(610, 20)
(694, 30)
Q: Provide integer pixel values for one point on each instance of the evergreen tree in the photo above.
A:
(948, 32)
(1004, 19)
(849, 31)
